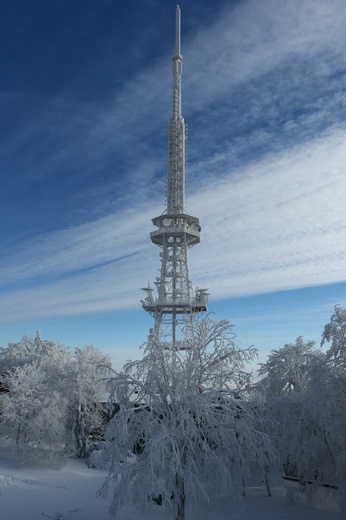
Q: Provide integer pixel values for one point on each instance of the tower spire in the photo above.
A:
(177, 30)
(176, 133)
(175, 305)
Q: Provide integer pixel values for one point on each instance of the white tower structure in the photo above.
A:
(174, 303)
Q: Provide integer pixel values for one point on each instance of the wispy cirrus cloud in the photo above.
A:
(280, 225)
(267, 51)
(264, 91)
(76, 249)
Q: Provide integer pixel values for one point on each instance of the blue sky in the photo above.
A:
(85, 101)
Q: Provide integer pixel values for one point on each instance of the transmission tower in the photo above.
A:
(174, 303)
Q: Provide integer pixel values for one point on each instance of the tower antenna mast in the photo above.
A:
(175, 304)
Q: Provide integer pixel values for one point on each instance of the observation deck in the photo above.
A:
(176, 226)
(178, 307)
(166, 304)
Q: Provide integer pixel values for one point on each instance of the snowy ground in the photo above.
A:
(32, 493)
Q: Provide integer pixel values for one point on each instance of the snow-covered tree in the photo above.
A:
(188, 418)
(335, 332)
(286, 383)
(35, 414)
(288, 368)
(26, 351)
(91, 368)
(310, 431)
(308, 419)
(53, 404)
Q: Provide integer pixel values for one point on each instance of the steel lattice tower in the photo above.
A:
(175, 304)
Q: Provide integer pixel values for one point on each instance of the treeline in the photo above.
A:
(186, 423)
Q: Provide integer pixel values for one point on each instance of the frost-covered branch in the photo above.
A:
(182, 416)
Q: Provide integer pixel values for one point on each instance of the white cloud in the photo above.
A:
(254, 38)
(280, 225)
(83, 247)
(246, 43)
(278, 222)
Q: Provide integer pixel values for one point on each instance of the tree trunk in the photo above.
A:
(180, 498)
(267, 482)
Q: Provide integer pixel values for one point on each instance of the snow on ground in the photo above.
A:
(32, 493)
